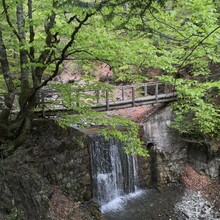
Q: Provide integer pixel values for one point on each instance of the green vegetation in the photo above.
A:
(179, 39)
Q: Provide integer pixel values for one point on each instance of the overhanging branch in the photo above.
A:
(197, 45)
(63, 56)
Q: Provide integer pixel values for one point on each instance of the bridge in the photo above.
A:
(119, 97)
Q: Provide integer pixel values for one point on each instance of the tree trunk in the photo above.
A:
(24, 76)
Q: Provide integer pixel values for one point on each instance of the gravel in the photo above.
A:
(194, 206)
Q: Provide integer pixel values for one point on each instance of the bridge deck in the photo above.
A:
(50, 101)
(138, 101)
(121, 97)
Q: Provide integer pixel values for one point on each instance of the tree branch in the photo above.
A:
(31, 29)
(5, 65)
(9, 20)
(168, 25)
(45, 54)
(63, 56)
(197, 45)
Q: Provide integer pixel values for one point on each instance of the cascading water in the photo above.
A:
(114, 173)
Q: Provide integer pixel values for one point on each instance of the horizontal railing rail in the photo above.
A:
(50, 101)
(103, 100)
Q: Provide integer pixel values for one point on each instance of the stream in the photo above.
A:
(174, 203)
(150, 204)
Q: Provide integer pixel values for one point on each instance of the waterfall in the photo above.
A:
(114, 173)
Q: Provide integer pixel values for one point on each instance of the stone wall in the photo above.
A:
(61, 156)
(52, 160)
(169, 153)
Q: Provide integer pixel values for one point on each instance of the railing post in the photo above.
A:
(98, 96)
(165, 89)
(133, 96)
(43, 106)
(107, 100)
(122, 93)
(77, 98)
(145, 90)
(173, 89)
(156, 92)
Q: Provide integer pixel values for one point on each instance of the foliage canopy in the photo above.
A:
(178, 38)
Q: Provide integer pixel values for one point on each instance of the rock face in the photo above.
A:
(23, 192)
(168, 153)
(205, 161)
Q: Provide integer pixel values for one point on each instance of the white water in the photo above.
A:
(114, 174)
(119, 202)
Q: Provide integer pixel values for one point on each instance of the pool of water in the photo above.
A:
(151, 204)
(173, 203)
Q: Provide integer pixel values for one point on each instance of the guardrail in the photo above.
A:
(50, 100)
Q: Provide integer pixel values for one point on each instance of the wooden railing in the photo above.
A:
(120, 97)
(50, 101)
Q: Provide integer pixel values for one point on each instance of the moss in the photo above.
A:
(80, 141)
(16, 214)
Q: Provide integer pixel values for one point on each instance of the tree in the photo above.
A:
(192, 49)
(35, 38)
(179, 38)
(30, 39)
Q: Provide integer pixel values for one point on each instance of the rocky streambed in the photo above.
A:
(193, 205)
(174, 203)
